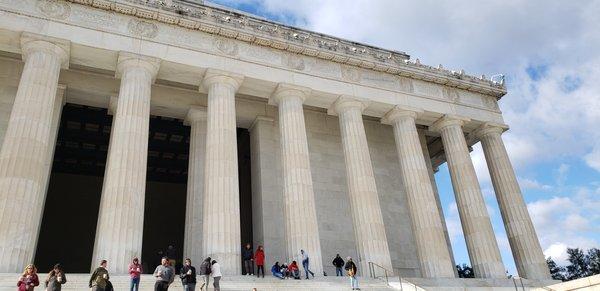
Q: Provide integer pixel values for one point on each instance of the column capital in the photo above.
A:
(31, 42)
(489, 128)
(285, 90)
(345, 102)
(195, 113)
(213, 76)
(129, 60)
(400, 112)
(448, 120)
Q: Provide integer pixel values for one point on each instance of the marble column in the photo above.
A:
(477, 228)
(192, 243)
(438, 202)
(369, 230)
(300, 215)
(121, 217)
(26, 149)
(221, 206)
(433, 253)
(522, 237)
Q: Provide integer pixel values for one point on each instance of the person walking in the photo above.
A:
(188, 276)
(338, 263)
(216, 274)
(205, 270)
(351, 269)
(276, 271)
(259, 259)
(29, 279)
(135, 270)
(306, 263)
(56, 278)
(248, 259)
(165, 275)
(99, 281)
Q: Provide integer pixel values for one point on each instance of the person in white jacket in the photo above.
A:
(216, 274)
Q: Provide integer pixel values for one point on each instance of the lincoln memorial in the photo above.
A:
(130, 125)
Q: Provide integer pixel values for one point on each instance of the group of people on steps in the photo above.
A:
(165, 273)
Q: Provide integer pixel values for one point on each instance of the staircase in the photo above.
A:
(79, 282)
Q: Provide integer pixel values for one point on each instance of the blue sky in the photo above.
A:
(548, 51)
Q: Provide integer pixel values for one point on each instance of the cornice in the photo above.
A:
(258, 31)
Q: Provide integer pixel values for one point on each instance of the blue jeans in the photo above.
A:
(353, 282)
(306, 270)
(278, 275)
(135, 283)
(338, 271)
(189, 287)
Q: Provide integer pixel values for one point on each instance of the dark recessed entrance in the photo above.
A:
(70, 216)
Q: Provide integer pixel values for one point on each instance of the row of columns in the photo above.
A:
(213, 193)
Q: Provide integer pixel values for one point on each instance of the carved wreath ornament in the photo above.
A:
(54, 9)
(142, 28)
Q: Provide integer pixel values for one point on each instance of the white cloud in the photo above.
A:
(533, 184)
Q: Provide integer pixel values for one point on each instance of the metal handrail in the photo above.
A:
(372, 271)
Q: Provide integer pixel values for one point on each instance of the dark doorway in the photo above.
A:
(71, 208)
(166, 190)
(244, 170)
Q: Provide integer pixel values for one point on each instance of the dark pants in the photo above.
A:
(161, 286)
(338, 271)
(258, 269)
(249, 267)
(306, 269)
(135, 284)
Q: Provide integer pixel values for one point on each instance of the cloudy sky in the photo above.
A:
(550, 53)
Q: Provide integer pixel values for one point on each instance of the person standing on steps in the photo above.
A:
(29, 279)
(56, 278)
(165, 275)
(351, 269)
(188, 276)
(338, 263)
(259, 258)
(216, 274)
(99, 279)
(248, 259)
(306, 263)
(135, 270)
(205, 270)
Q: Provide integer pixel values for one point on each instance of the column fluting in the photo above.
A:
(300, 215)
(196, 119)
(522, 237)
(221, 206)
(121, 217)
(477, 228)
(25, 149)
(433, 253)
(369, 230)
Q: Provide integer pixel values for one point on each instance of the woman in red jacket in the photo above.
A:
(29, 279)
(259, 258)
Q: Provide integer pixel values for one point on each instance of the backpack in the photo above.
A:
(205, 268)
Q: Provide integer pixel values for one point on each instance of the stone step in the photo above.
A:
(79, 282)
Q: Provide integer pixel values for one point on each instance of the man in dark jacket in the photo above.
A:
(205, 272)
(338, 263)
(352, 269)
(99, 279)
(248, 259)
(188, 276)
